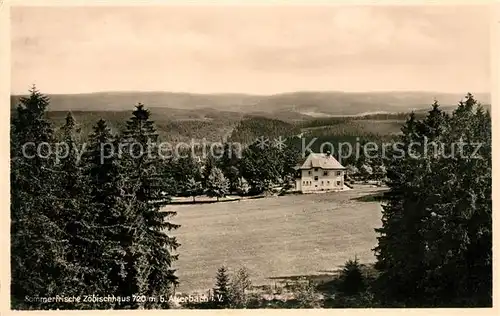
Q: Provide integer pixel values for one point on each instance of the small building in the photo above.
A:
(319, 172)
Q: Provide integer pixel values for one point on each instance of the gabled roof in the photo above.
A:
(323, 161)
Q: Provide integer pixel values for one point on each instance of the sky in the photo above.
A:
(250, 49)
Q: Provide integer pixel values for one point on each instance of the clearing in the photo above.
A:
(283, 236)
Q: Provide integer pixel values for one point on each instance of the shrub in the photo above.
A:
(240, 284)
(306, 295)
(351, 278)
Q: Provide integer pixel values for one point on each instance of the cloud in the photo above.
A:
(242, 48)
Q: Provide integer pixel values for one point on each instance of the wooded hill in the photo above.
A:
(242, 117)
(294, 105)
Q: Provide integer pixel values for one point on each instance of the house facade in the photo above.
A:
(320, 172)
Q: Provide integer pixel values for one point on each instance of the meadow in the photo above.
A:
(293, 235)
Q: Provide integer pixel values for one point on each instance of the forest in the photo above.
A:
(94, 222)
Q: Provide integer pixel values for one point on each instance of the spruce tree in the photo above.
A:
(261, 167)
(434, 124)
(243, 187)
(152, 250)
(110, 208)
(228, 164)
(232, 175)
(210, 163)
(194, 188)
(217, 184)
(75, 217)
(401, 231)
(222, 297)
(434, 247)
(352, 170)
(183, 169)
(39, 245)
(240, 284)
(352, 281)
(460, 221)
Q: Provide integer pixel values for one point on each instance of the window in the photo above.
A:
(338, 173)
(315, 169)
(309, 172)
(322, 183)
(316, 178)
(327, 182)
(338, 183)
(325, 173)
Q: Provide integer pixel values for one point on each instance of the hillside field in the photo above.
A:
(276, 236)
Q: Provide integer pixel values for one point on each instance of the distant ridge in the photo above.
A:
(299, 103)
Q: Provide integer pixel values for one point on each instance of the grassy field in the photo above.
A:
(276, 236)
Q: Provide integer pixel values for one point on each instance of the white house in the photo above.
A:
(320, 172)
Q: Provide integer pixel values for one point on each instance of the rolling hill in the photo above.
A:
(241, 117)
(293, 106)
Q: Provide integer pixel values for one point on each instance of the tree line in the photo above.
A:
(94, 226)
(435, 244)
(249, 170)
(434, 248)
(99, 224)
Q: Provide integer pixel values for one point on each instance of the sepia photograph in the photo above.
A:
(237, 156)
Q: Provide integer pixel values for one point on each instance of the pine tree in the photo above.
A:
(434, 124)
(171, 173)
(380, 172)
(242, 187)
(103, 166)
(434, 247)
(460, 221)
(352, 170)
(264, 167)
(228, 164)
(39, 265)
(401, 232)
(409, 129)
(222, 297)
(184, 169)
(210, 163)
(151, 252)
(194, 188)
(110, 206)
(232, 175)
(229, 156)
(240, 284)
(366, 171)
(255, 169)
(217, 184)
(75, 217)
(351, 277)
